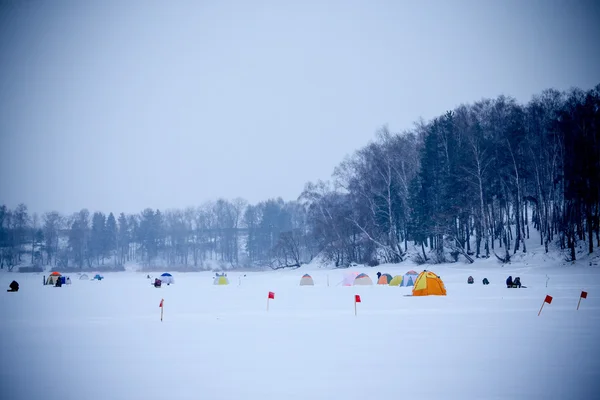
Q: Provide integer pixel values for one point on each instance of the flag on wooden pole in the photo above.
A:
(161, 308)
(582, 296)
(548, 300)
(356, 300)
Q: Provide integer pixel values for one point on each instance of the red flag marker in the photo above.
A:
(582, 296)
(270, 296)
(548, 300)
(356, 300)
(162, 308)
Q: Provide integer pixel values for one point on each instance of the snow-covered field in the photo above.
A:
(104, 340)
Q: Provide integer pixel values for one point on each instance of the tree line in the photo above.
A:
(472, 182)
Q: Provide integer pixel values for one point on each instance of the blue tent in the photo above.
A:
(166, 274)
(98, 277)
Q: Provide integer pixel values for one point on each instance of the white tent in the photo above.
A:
(167, 278)
(307, 280)
(409, 278)
(363, 279)
(349, 278)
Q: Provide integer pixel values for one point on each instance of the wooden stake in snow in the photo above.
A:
(547, 279)
(162, 308)
(548, 300)
(583, 295)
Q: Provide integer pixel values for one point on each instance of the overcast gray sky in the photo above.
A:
(121, 105)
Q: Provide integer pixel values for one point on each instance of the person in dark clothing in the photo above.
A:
(14, 287)
(58, 282)
(485, 281)
(378, 276)
(470, 280)
(517, 282)
(157, 283)
(509, 282)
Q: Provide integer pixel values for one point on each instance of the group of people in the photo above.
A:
(510, 283)
(470, 281)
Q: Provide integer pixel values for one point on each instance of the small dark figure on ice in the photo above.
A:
(485, 281)
(14, 287)
(157, 283)
(470, 280)
(513, 284)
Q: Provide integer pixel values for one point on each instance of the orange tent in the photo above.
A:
(384, 279)
(429, 284)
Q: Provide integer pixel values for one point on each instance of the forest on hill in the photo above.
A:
(472, 182)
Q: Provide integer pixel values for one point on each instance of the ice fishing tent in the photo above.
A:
(349, 278)
(306, 280)
(396, 281)
(363, 279)
(53, 277)
(384, 279)
(167, 278)
(429, 284)
(221, 280)
(83, 277)
(98, 277)
(409, 278)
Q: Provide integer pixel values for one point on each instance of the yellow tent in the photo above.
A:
(429, 284)
(221, 280)
(396, 281)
